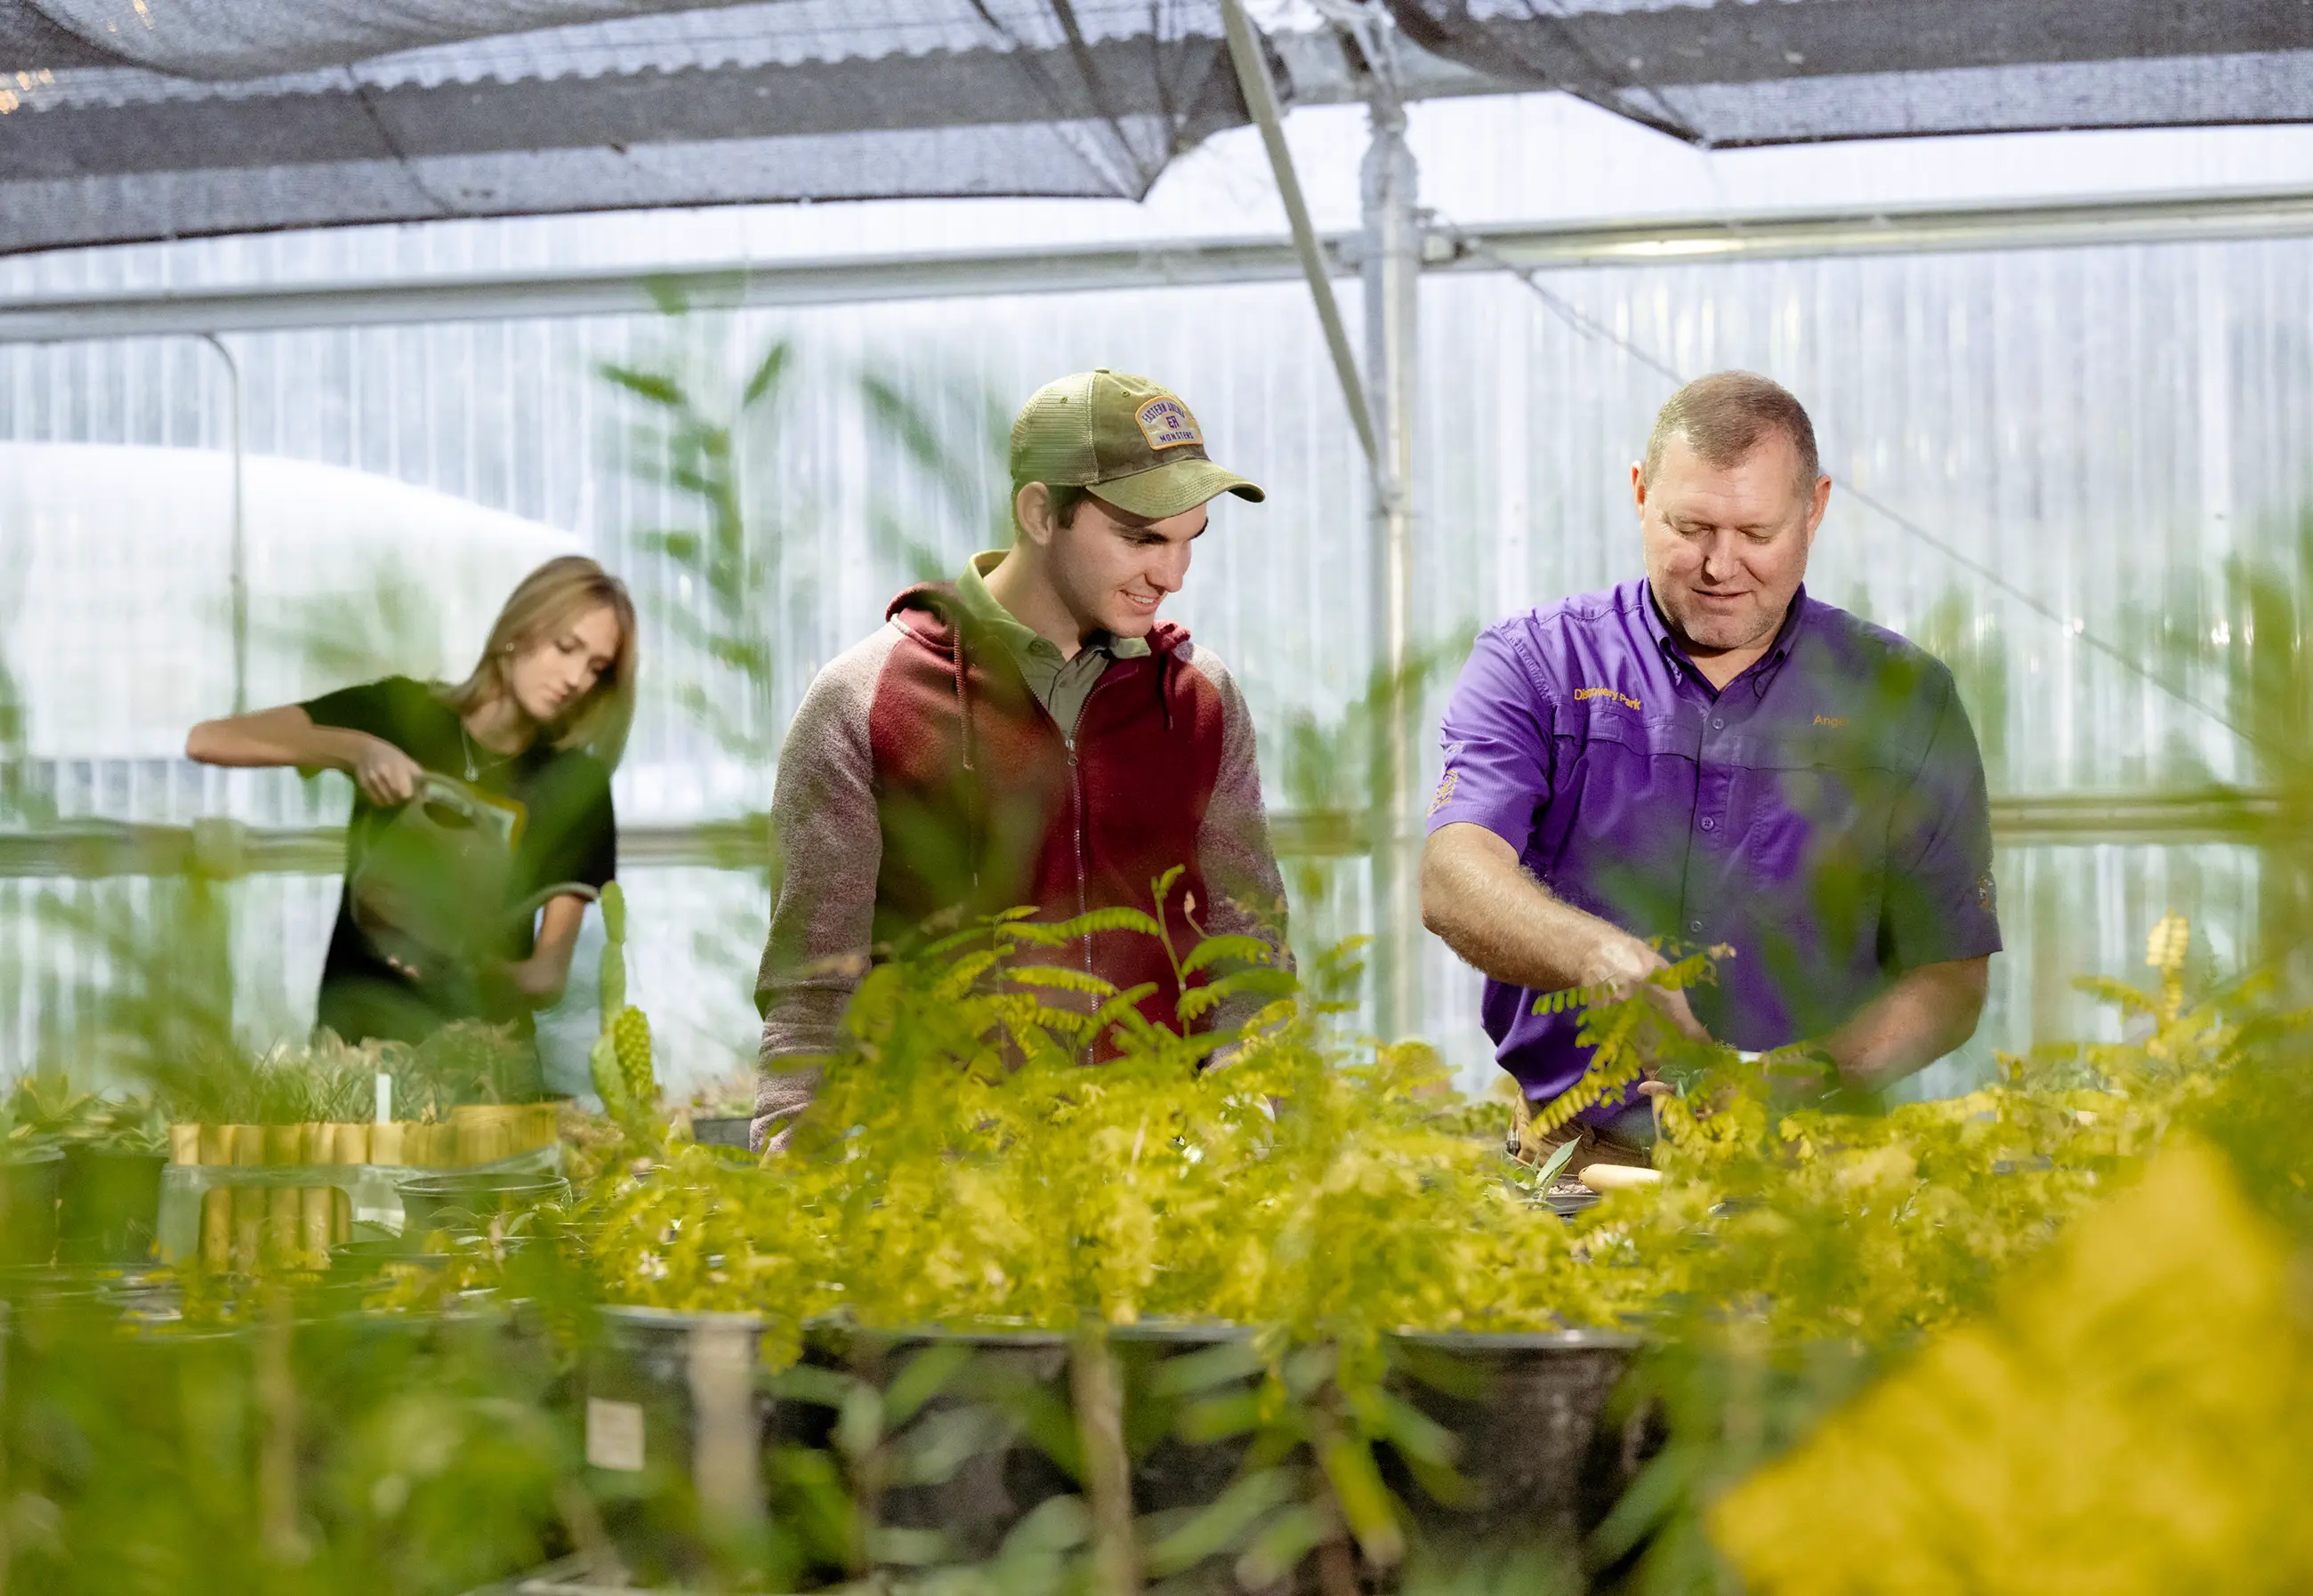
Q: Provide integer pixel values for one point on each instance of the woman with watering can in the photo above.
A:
(482, 824)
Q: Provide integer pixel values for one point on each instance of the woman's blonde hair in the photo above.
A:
(551, 597)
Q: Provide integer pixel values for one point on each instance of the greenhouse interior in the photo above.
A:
(1575, 738)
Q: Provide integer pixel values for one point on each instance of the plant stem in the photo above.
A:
(276, 1458)
(1096, 1389)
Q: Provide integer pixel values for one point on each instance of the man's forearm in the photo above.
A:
(1924, 1014)
(1479, 902)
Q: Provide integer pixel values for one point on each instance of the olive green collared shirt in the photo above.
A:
(1061, 685)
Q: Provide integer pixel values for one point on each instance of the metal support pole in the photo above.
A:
(1392, 271)
(238, 560)
(1261, 98)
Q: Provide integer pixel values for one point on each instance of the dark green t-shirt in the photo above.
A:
(568, 836)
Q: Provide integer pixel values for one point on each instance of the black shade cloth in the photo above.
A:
(776, 100)
(1753, 71)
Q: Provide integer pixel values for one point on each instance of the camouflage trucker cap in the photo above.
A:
(1132, 442)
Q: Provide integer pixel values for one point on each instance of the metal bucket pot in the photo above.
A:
(470, 1198)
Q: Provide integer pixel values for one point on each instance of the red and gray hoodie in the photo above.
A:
(921, 777)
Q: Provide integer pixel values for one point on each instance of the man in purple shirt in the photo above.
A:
(1709, 756)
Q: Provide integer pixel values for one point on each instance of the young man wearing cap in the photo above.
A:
(1029, 734)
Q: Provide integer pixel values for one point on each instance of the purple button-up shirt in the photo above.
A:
(1824, 814)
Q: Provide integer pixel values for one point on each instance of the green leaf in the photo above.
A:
(767, 374)
(806, 1382)
(1218, 1418)
(1279, 1549)
(923, 1377)
(1206, 1368)
(1556, 1161)
(657, 387)
(1062, 977)
(1212, 949)
(1365, 1501)
(682, 547)
(1118, 918)
(1221, 1524)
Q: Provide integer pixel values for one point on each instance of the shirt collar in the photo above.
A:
(1758, 674)
(989, 615)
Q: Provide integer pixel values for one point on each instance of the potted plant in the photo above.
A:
(109, 1203)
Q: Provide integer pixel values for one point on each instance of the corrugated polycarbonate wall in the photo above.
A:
(2103, 428)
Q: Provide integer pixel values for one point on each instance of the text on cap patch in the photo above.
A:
(1166, 424)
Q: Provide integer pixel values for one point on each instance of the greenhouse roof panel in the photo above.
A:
(1753, 72)
(780, 100)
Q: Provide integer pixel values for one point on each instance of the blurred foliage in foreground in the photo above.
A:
(961, 1168)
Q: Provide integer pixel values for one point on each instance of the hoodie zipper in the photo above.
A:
(1076, 809)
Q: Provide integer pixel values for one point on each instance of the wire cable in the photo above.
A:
(1477, 249)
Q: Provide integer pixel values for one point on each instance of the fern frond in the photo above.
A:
(1117, 919)
(1615, 1065)
(1213, 949)
(1063, 978)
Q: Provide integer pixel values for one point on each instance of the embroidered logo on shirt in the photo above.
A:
(1834, 721)
(1445, 786)
(1624, 698)
(1987, 896)
(1166, 424)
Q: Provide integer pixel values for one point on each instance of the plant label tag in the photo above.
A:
(614, 1434)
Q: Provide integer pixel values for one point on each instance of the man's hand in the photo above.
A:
(1487, 909)
(1621, 963)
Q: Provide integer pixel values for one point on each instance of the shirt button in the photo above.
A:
(1716, 724)
(1695, 926)
(1710, 823)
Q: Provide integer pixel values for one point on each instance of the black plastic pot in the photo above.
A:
(109, 1204)
(29, 1181)
(989, 1492)
(1529, 1412)
(677, 1433)
(467, 1199)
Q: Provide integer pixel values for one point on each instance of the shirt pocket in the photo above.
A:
(1818, 804)
(1614, 836)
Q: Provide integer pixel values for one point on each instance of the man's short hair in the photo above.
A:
(1067, 501)
(1723, 416)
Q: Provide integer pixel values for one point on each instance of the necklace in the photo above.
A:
(473, 769)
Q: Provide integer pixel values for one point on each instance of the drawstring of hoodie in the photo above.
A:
(1165, 687)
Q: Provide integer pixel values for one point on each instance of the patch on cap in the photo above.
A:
(1165, 422)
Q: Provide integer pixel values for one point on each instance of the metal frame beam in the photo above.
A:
(2201, 218)
(92, 849)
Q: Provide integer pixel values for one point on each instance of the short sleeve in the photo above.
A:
(579, 831)
(1497, 740)
(373, 706)
(1940, 901)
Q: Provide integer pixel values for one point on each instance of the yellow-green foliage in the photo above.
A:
(963, 1164)
(1794, 1254)
(2137, 1417)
